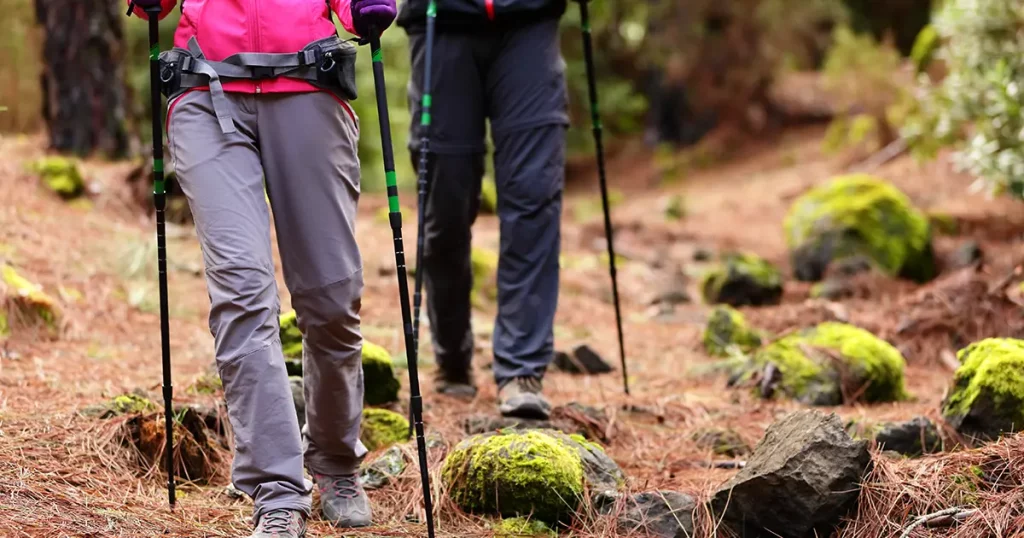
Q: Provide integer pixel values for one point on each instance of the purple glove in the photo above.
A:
(373, 15)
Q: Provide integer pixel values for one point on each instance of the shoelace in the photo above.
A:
(346, 487)
(529, 384)
(276, 520)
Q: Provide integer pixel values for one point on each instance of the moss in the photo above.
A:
(130, 404)
(519, 526)
(485, 269)
(206, 384)
(27, 301)
(513, 474)
(381, 385)
(5, 329)
(859, 215)
(742, 279)
(675, 207)
(488, 197)
(728, 330)
(61, 176)
(291, 336)
(987, 397)
(383, 428)
(868, 366)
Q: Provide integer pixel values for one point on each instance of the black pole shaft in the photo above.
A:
(160, 200)
(425, 118)
(395, 216)
(595, 118)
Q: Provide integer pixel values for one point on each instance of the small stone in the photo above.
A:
(660, 514)
(383, 469)
(584, 360)
(912, 438)
(832, 289)
(986, 400)
(478, 424)
(702, 254)
(802, 479)
(233, 493)
(965, 255)
(851, 266)
(721, 441)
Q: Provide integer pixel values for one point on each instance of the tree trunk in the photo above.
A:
(84, 97)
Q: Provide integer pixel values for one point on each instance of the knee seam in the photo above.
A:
(351, 277)
(232, 360)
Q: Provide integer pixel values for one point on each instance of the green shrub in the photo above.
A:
(977, 106)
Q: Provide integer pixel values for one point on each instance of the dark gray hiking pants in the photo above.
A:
(515, 78)
(304, 145)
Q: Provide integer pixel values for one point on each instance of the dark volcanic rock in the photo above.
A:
(583, 360)
(912, 438)
(661, 514)
(802, 479)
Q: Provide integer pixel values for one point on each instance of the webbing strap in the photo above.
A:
(220, 102)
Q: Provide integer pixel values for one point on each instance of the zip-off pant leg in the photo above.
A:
(309, 144)
(222, 178)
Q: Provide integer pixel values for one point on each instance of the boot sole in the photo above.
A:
(528, 408)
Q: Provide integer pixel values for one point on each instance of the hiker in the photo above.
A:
(282, 122)
(499, 61)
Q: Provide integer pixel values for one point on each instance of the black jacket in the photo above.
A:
(478, 15)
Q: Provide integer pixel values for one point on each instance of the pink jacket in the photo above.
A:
(226, 27)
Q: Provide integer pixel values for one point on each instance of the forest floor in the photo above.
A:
(60, 474)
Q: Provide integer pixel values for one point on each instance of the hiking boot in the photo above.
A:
(281, 523)
(521, 398)
(343, 501)
(461, 390)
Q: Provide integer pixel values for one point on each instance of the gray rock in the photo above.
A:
(572, 418)
(661, 514)
(486, 423)
(721, 441)
(602, 473)
(387, 466)
(298, 399)
(803, 477)
(965, 255)
(912, 438)
(584, 360)
(832, 289)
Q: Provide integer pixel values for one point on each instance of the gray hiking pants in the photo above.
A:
(304, 145)
(515, 78)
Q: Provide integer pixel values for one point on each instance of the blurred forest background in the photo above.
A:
(672, 75)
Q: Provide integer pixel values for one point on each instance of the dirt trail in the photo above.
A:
(56, 478)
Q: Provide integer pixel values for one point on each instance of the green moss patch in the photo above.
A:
(834, 361)
(60, 175)
(742, 279)
(25, 304)
(519, 526)
(381, 384)
(859, 215)
(727, 332)
(515, 474)
(987, 397)
(382, 428)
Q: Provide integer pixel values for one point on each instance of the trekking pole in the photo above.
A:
(595, 118)
(417, 297)
(395, 217)
(160, 201)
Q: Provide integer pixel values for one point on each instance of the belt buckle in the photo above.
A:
(262, 73)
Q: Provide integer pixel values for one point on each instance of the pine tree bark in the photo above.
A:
(83, 89)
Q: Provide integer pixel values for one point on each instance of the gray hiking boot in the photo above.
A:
(281, 523)
(343, 501)
(521, 398)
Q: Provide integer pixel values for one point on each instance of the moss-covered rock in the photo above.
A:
(987, 396)
(485, 270)
(742, 279)
(125, 404)
(60, 175)
(859, 215)
(383, 468)
(515, 474)
(727, 330)
(380, 383)
(24, 303)
(383, 428)
(291, 337)
(488, 197)
(818, 366)
(520, 526)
